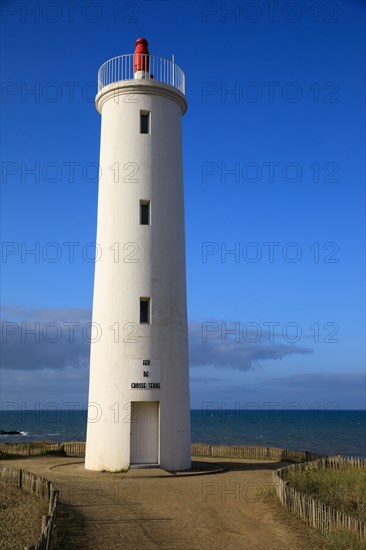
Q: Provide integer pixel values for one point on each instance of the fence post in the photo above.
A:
(50, 504)
(44, 522)
(20, 478)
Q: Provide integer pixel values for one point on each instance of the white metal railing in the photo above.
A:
(159, 69)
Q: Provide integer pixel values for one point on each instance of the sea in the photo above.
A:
(327, 432)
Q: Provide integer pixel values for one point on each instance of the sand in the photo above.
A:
(221, 511)
(20, 517)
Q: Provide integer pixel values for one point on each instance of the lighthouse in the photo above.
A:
(138, 409)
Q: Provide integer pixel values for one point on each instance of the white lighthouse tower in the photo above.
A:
(138, 412)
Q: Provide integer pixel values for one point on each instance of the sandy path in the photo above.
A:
(20, 517)
(223, 511)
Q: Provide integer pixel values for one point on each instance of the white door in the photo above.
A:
(144, 432)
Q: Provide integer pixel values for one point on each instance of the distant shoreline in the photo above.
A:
(323, 431)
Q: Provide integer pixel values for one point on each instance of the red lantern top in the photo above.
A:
(141, 55)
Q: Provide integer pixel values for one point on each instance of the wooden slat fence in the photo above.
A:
(69, 448)
(74, 448)
(315, 512)
(41, 487)
(77, 448)
(255, 453)
(30, 449)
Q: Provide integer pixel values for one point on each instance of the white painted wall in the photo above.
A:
(150, 168)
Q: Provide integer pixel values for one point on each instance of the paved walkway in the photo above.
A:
(147, 510)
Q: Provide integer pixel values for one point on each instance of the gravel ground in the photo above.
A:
(225, 511)
(20, 517)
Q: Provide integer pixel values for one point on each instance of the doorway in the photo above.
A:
(144, 432)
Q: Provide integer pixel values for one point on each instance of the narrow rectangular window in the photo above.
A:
(144, 122)
(145, 311)
(145, 212)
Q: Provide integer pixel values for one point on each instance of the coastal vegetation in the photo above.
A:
(343, 490)
(341, 485)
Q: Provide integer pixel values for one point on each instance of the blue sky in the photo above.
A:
(274, 142)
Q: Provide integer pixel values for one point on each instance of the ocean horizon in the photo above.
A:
(327, 432)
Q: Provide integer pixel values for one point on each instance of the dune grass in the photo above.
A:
(342, 540)
(342, 489)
